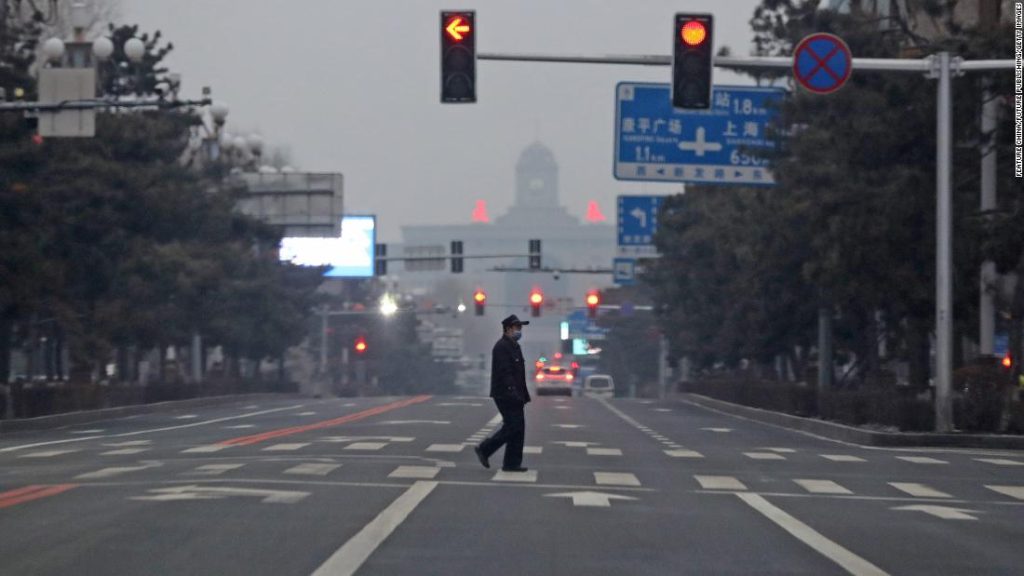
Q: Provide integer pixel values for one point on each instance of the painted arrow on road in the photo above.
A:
(598, 499)
(194, 492)
(944, 512)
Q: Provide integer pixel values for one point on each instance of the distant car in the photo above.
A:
(554, 380)
(599, 385)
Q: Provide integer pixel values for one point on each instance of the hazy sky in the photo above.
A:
(352, 87)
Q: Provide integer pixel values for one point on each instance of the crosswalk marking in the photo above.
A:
(215, 469)
(918, 490)
(843, 458)
(312, 469)
(445, 447)
(124, 451)
(46, 453)
(420, 472)
(616, 479)
(764, 456)
(93, 431)
(187, 417)
(1011, 491)
(781, 450)
(1000, 461)
(205, 449)
(822, 487)
(532, 449)
(684, 453)
(604, 452)
(662, 409)
(921, 460)
(286, 447)
(108, 472)
(528, 476)
(239, 426)
(129, 443)
(720, 483)
(366, 446)
(306, 414)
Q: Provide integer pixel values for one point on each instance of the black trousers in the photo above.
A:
(512, 434)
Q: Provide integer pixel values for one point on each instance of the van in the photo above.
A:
(599, 385)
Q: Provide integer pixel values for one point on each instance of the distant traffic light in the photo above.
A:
(458, 56)
(480, 300)
(380, 267)
(1007, 361)
(593, 301)
(534, 248)
(692, 61)
(360, 346)
(456, 254)
(536, 300)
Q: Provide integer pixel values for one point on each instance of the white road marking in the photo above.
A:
(944, 512)
(306, 414)
(215, 469)
(313, 469)
(604, 452)
(662, 409)
(459, 404)
(532, 449)
(1000, 461)
(571, 444)
(124, 452)
(569, 426)
(187, 417)
(822, 487)
(918, 490)
(361, 438)
(366, 446)
(419, 472)
(849, 561)
(718, 430)
(782, 450)
(251, 407)
(1011, 491)
(445, 447)
(563, 408)
(587, 498)
(286, 447)
(616, 479)
(390, 422)
(129, 443)
(720, 483)
(921, 460)
(843, 458)
(108, 472)
(209, 448)
(239, 426)
(684, 453)
(349, 404)
(764, 456)
(87, 431)
(347, 559)
(221, 492)
(528, 476)
(47, 453)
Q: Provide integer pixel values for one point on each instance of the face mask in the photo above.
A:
(517, 335)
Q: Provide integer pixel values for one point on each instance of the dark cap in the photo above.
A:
(512, 321)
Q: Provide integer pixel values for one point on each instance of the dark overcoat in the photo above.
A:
(508, 371)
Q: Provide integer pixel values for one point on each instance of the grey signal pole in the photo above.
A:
(940, 66)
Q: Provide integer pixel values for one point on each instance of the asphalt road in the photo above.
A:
(389, 486)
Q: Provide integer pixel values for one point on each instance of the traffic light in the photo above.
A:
(536, 300)
(593, 301)
(458, 56)
(1007, 361)
(456, 256)
(380, 267)
(480, 300)
(692, 61)
(360, 346)
(534, 248)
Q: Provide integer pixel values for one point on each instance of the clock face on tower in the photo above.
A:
(536, 184)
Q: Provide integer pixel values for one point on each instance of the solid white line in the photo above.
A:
(918, 490)
(844, 558)
(347, 559)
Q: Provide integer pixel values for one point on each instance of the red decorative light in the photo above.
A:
(594, 212)
(480, 212)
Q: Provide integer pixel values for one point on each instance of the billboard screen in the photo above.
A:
(349, 256)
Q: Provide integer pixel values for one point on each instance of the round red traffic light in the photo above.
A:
(593, 299)
(479, 297)
(1007, 361)
(536, 298)
(693, 33)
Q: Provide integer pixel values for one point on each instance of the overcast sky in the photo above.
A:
(352, 87)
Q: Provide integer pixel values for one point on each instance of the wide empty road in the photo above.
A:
(390, 486)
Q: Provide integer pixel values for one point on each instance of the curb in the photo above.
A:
(855, 435)
(88, 416)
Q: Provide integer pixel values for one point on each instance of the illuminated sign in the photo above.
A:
(349, 256)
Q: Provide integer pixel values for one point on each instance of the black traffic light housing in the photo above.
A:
(692, 60)
(534, 250)
(458, 56)
(456, 254)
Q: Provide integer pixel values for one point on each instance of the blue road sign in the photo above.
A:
(656, 142)
(637, 222)
(624, 271)
(822, 63)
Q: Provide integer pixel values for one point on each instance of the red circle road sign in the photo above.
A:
(822, 63)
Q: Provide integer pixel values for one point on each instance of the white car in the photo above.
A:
(599, 385)
(554, 380)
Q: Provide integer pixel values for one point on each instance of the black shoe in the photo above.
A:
(514, 469)
(480, 456)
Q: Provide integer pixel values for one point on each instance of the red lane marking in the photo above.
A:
(29, 493)
(254, 438)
